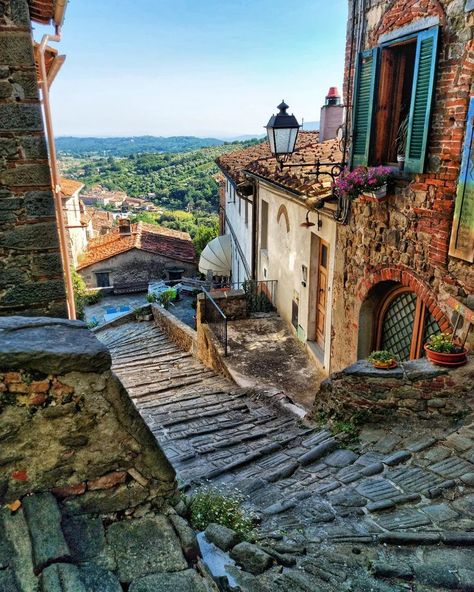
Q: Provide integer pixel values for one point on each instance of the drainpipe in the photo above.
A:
(58, 206)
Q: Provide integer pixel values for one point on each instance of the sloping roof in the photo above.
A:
(258, 160)
(52, 60)
(46, 11)
(145, 237)
(69, 187)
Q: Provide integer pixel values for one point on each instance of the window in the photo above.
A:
(102, 279)
(404, 323)
(264, 226)
(392, 101)
(246, 213)
(240, 205)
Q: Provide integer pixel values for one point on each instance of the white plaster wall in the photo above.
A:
(286, 253)
(76, 232)
(242, 230)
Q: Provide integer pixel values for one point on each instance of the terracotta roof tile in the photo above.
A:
(145, 237)
(259, 161)
(69, 186)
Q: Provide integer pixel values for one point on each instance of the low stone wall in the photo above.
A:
(233, 303)
(68, 426)
(184, 337)
(416, 388)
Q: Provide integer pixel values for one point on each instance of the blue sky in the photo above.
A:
(194, 67)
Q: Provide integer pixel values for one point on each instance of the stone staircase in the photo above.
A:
(296, 476)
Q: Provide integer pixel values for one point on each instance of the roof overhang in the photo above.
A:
(52, 60)
(48, 11)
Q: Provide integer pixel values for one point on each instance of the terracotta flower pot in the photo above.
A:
(385, 365)
(446, 359)
(379, 194)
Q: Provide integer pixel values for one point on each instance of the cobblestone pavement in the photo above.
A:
(395, 513)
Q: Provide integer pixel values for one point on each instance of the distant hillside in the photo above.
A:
(72, 146)
(310, 126)
(182, 181)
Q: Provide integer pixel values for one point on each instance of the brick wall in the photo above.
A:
(410, 232)
(31, 281)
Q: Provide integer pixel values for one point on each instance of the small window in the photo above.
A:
(393, 94)
(264, 226)
(246, 213)
(102, 279)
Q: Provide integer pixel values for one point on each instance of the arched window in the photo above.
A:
(403, 324)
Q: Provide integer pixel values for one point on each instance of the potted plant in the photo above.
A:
(401, 142)
(383, 359)
(370, 181)
(442, 350)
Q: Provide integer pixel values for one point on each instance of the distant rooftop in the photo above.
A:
(145, 237)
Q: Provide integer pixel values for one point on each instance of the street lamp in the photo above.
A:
(282, 132)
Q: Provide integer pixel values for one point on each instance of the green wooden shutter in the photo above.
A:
(421, 100)
(363, 106)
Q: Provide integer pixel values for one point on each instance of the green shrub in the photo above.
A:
(209, 505)
(83, 296)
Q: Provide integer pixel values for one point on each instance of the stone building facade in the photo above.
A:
(400, 279)
(31, 279)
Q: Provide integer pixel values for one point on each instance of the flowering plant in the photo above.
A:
(362, 179)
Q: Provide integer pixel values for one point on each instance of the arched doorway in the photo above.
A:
(403, 323)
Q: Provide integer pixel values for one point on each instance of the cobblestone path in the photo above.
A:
(397, 513)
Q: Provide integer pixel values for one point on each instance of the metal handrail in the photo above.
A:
(219, 325)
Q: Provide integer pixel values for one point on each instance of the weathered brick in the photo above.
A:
(33, 147)
(16, 48)
(8, 147)
(33, 293)
(32, 236)
(27, 83)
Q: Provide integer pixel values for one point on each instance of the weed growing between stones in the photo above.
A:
(209, 505)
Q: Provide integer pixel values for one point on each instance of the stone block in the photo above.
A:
(6, 89)
(8, 147)
(33, 147)
(51, 346)
(251, 558)
(107, 501)
(62, 577)
(39, 203)
(19, 13)
(98, 579)
(32, 293)
(26, 83)
(44, 524)
(31, 236)
(46, 265)
(20, 117)
(185, 581)
(85, 536)
(186, 536)
(145, 546)
(16, 48)
(24, 175)
(223, 537)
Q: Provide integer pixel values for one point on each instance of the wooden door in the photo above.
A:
(321, 297)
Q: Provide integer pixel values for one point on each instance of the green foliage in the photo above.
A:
(205, 234)
(383, 356)
(443, 343)
(83, 296)
(151, 298)
(165, 298)
(209, 505)
(178, 181)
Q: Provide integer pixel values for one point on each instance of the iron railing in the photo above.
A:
(260, 295)
(216, 319)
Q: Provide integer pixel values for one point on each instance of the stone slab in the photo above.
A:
(223, 537)
(145, 546)
(44, 524)
(362, 368)
(251, 558)
(61, 577)
(55, 346)
(185, 581)
(98, 579)
(85, 536)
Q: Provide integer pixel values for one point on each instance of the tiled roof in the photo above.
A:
(45, 11)
(69, 187)
(145, 237)
(258, 160)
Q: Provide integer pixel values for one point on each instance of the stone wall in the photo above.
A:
(407, 236)
(417, 388)
(177, 331)
(67, 424)
(134, 266)
(233, 303)
(31, 280)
